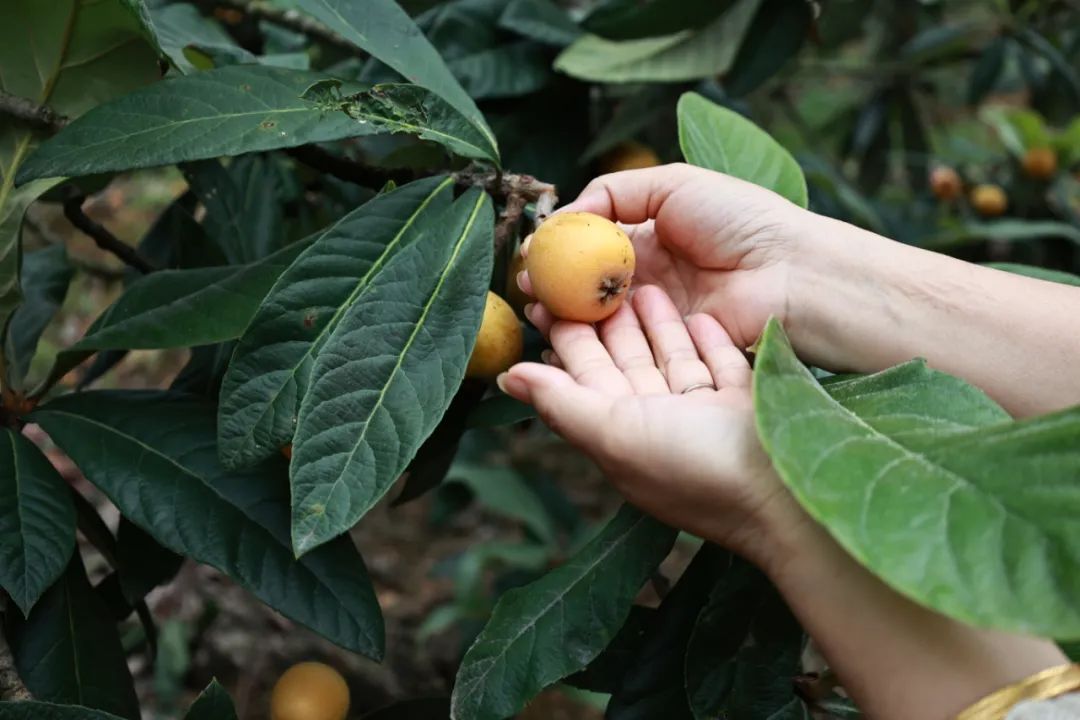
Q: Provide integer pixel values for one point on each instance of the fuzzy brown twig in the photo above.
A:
(508, 221)
(290, 19)
(102, 237)
(41, 117)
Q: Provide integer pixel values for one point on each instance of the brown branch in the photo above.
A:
(507, 185)
(508, 221)
(291, 19)
(102, 237)
(41, 117)
(348, 170)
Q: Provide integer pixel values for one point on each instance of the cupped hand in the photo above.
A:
(717, 245)
(662, 404)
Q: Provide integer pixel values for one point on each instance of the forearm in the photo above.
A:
(897, 659)
(860, 302)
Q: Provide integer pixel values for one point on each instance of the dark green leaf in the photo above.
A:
(916, 144)
(654, 685)
(720, 631)
(235, 110)
(555, 626)
(632, 115)
(44, 279)
(142, 562)
(1063, 68)
(68, 651)
(502, 71)
(719, 139)
(37, 521)
(212, 704)
(1006, 230)
(606, 670)
(701, 52)
(500, 410)
(154, 454)
(181, 308)
(630, 19)
(243, 211)
(174, 26)
(986, 70)
(938, 43)
(503, 491)
(48, 711)
(1038, 272)
(271, 367)
(388, 371)
(383, 29)
(205, 370)
(773, 38)
(540, 20)
(926, 496)
(177, 240)
(435, 456)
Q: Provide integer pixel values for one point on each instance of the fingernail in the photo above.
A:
(512, 386)
(528, 310)
(546, 356)
(518, 278)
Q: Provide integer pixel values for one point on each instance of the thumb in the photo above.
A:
(574, 411)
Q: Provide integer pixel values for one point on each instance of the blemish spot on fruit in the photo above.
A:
(612, 287)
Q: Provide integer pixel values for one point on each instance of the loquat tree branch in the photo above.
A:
(346, 169)
(102, 237)
(41, 117)
(290, 19)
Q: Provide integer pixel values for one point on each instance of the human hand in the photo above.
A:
(691, 458)
(715, 244)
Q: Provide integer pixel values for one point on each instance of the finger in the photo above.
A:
(670, 340)
(550, 358)
(633, 196)
(524, 249)
(586, 358)
(524, 283)
(623, 337)
(726, 362)
(577, 413)
(540, 317)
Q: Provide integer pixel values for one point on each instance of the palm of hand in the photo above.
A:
(619, 392)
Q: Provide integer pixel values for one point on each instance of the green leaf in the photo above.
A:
(37, 521)
(503, 491)
(685, 55)
(181, 308)
(423, 709)
(236, 110)
(500, 410)
(212, 704)
(1040, 273)
(243, 210)
(606, 670)
(987, 70)
(938, 43)
(154, 454)
(68, 651)
(921, 488)
(721, 628)
(632, 19)
(174, 27)
(1006, 230)
(654, 683)
(382, 28)
(81, 52)
(270, 370)
(719, 139)
(540, 20)
(388, 371)
(44, 278)
(773, 38)
(33, 710)
(1019, 129)
(502, 71)
(555, 626)
(142, 562)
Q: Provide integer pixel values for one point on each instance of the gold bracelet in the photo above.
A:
(1042, 685)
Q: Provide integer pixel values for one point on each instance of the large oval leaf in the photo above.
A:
(719, 139)
(183, 308)
(154, 454)
(236, 110)
(776, 34)
(553, 627)
(37, 521)
(630, 19)
(388, 372)
(68, 650)
(926, 491)
(383, 29)
(212, 704)
(44, 280)
(686, 55)
(270, 368)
